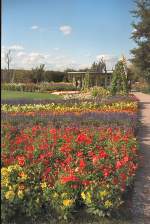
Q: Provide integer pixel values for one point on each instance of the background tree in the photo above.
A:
(99, 67)
(8, 59)
(9, 73)
(119, 82)
(38, 73)
(141, 36)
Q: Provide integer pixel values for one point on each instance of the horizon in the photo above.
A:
(67, 33)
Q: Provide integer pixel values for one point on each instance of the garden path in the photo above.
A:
(141, 194)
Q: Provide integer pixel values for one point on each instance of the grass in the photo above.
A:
(6, 95)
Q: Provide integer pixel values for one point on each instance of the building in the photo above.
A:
(96, 78)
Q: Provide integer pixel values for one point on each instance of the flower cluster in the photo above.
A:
(60, 108)
(59, 168)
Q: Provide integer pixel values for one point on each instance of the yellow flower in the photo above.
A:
(9, 195)
(4, 182)
(88, 198)
(108, 204)
(14, 167)
(43, 185)
(103, 194)
(20, 194)
(83, 195)
(4, 172)
(67, 202)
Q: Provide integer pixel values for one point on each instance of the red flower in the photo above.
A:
(82, 164)
(30, 148)
(79, 154)
(83, 138)
(53, 131)
(102, 154)
(126, 159)
(85, 182)
(47, 171)
(65, 148)
(106, 172)
(95, 159)
(68, 179)
(118, 164)
(44, 146)
(21, 160)
(123, 176)
(42, 156)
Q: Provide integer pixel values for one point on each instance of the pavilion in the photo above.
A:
(96, 78)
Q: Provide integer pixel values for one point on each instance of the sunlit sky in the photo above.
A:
(66, 33)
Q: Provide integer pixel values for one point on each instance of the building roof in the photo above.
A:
(91, 72)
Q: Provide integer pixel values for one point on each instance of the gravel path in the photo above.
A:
(141, 194)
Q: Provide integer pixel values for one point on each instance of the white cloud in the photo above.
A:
(21, 54)
(110, 60)
(28, 60)
(66, 30)
(35, 27)
(16, 47)
(56, 49)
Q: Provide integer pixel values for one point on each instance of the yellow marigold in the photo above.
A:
(67, 202)
(14, 167)
(20, 194)
(4, 172)
(9, 195)
(43, 185)
(4, 182)
(108, 204)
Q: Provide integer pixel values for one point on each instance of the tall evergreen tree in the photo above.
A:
(119, 78)
(141, 36)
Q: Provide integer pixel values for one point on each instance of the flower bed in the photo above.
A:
(58, 157)
(60, 108)
(63, 169)
(98, 119)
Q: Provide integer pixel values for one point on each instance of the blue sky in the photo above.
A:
(66, 33)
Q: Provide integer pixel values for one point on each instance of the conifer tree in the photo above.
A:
(141, 36)
(119, 79)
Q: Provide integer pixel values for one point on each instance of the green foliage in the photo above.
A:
(141, 36)
(38, 73)
(6, 95)
(86, 81)
(141, 87)
(98, 91)
(119, 79)
(99, 67)
(40, 87)
(24, 76)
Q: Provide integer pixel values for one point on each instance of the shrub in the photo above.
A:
(99, 92)
(40, 87)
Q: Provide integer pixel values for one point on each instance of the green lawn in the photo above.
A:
(5, 95)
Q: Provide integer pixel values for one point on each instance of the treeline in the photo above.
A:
(34, 76)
